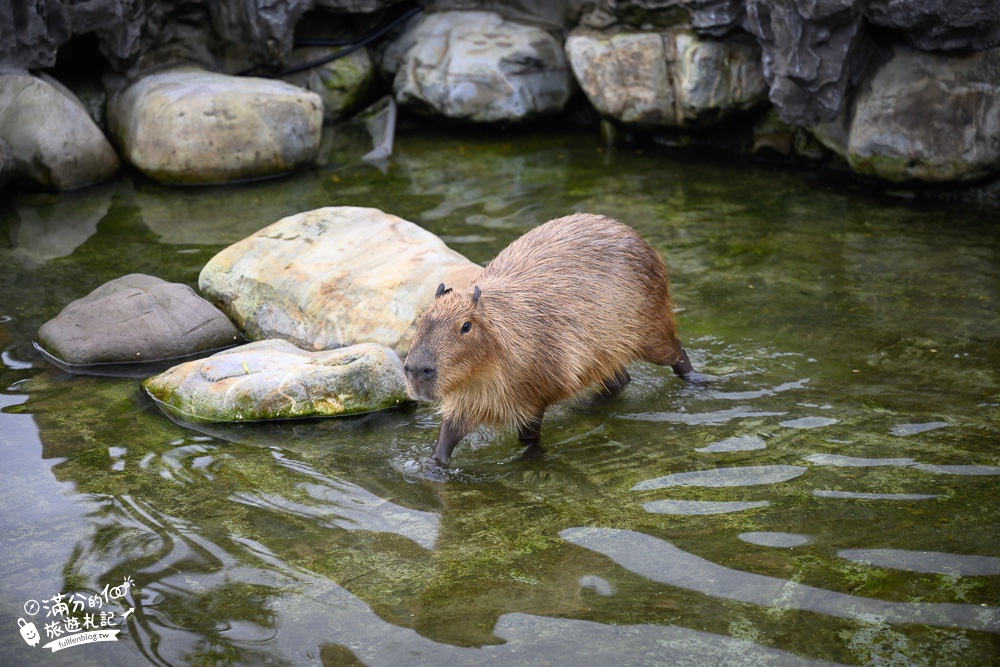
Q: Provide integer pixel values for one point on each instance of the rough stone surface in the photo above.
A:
(135, 318)
(341, 83)
(139, 35)
(940, 25)
(929, 117)
(477, 66)
(273, 379)
(54, 143)
(333, 277)
(670, 78)
(706, 17)
(187, 125)
(812, 53)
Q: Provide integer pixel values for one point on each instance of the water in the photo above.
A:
(830, 497)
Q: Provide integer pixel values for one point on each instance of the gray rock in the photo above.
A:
(479, 67)
(928, 117)
(187, 125)
(273, 379)
(940, 25)
(55, 144)
(137, 36)
(670, 78)
(812, 53)
(135, 319)
(341, 83)
(6, 164)
(333, 277)
(706, 17)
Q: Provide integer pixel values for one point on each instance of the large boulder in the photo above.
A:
(940, 25)
(813, 52)
(187, 125)
(134, 319)
(53, 141)
(930, 117)
(333, 277)
(669, 78)
(479, 67)
(273, 379)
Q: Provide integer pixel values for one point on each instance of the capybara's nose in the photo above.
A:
(420, 372)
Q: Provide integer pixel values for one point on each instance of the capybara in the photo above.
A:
(566, 306)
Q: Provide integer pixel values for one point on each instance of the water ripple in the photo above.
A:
(692, 418)
(854, 495)
(744, 476)
(661, 561)
(931, 562)
(855, 462)
(701, 507)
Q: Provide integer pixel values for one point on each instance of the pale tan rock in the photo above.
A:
(333, 277)
(670, 78)
(187, 125)
(54, 142)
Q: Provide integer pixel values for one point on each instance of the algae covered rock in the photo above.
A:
(273, 379)
(134, 319)
(187, 125)
(930, 117)
(333, 277)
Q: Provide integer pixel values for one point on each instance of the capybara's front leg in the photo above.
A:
(613, 386)
(449, 436)
(530, 435)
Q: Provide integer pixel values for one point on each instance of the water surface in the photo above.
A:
(854, 349)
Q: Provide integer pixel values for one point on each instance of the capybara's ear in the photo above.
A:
(475, 295)
(441, 290)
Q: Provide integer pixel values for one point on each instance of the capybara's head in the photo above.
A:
(453, 344)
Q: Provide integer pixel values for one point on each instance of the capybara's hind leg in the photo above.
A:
(613, 386)
(530, 435)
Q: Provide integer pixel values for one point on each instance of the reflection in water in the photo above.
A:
(775, 539)
(809, 422)
(739, 443)
(698, 507)
(914, 429)
(664, 563)
(720, 417)
(932, 562)
(858, 495)
(855, 462)
(746, 476)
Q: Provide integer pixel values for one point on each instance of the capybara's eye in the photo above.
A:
(467, 327)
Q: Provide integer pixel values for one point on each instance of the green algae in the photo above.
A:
(801, 299)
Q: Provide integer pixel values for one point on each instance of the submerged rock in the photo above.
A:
(669, 78)
(134, 319)
(273, 379)
(929, 117)
(53, 141)
(479, 67)
(333, 277)
(187, 125)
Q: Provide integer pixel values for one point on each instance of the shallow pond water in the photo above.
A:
(831, 496)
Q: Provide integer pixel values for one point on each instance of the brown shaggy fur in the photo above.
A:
(564, 307)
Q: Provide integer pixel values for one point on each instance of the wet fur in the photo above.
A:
(562, 308)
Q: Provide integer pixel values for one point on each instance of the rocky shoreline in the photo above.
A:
(898, 92)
